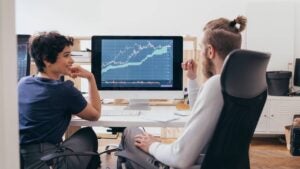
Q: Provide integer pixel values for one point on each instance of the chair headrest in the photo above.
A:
(244, 73)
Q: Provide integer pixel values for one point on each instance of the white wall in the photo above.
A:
(271, 28)
(122, 17)
(141, 17)
(9, 142)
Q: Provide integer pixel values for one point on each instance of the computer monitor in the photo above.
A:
(23, 58)
(138, 67)
(297, 72)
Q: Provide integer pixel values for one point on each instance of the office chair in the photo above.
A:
(115, 131)
(87, 140)
(55, 160)
(244, 89)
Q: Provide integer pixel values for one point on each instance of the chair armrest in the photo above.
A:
(63, 154)
(49, 157)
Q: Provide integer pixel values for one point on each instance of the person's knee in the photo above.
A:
(84, 139)
(130, 132)
(129, 135)
(87, 131)
(92, 137)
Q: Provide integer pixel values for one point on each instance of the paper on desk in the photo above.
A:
(162, 117)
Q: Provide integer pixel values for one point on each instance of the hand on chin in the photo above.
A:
(69, 73)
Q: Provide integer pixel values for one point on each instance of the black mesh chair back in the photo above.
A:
(244, 89)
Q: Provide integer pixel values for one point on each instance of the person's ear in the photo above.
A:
(210, 52)
(47, 63)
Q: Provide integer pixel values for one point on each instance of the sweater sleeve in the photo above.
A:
(193, 90)
(199, 129)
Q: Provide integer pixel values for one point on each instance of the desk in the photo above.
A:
(133, 121)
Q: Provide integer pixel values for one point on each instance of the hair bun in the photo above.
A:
(242, 21)
(232, 23)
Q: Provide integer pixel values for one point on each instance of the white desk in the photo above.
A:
(133, 121)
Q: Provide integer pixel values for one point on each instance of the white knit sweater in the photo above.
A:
(207, 103)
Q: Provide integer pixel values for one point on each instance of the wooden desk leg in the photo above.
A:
(71, 130)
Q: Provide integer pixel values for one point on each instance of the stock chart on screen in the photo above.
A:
(137, 63)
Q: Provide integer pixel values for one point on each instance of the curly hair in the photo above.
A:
(46, 46)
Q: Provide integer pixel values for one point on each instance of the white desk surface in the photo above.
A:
(133, 121)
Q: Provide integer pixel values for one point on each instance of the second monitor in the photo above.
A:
(138, 67)
(23, 58)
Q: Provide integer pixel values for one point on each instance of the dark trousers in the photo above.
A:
(133, 157)
(83, 140)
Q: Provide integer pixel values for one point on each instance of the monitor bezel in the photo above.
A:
(177, 60)
(24, 38)
(296, 78)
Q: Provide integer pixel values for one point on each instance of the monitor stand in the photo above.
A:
(138, 104)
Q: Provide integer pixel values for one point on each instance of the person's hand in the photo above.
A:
(190, 66)
(143, 141)
(77, 71)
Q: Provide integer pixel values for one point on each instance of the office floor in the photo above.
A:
(265, 153)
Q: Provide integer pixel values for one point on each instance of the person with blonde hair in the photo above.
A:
(221, 36)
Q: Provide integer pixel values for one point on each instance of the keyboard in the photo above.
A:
(120, 112)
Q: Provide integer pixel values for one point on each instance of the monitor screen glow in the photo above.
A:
(138, 67)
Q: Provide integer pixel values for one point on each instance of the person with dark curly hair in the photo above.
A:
(46, 104)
